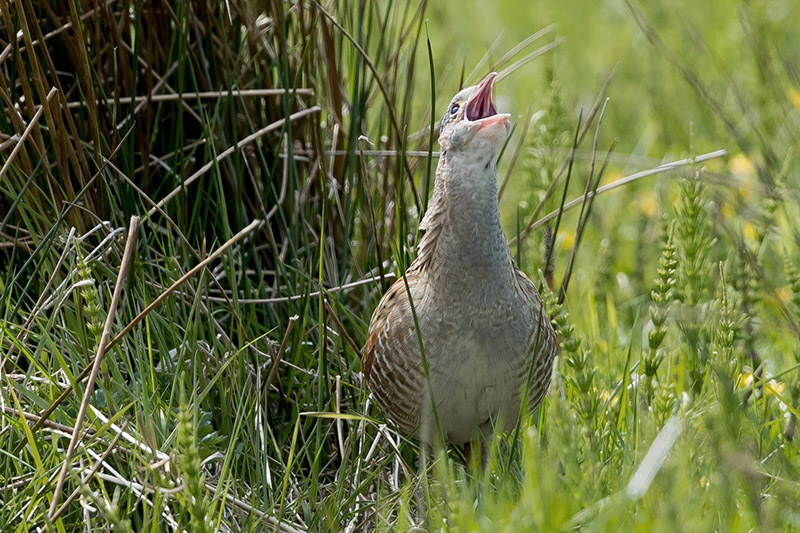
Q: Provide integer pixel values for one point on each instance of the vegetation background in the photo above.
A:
(279, 156)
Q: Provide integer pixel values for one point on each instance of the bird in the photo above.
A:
(463, 303)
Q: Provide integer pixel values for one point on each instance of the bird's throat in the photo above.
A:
(470, 245)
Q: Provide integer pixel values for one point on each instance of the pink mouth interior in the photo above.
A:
(481, 105)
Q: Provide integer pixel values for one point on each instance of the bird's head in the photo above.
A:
(472, 123)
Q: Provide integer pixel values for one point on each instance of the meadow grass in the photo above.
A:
(201, 204)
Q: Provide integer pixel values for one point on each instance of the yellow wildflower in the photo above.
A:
(567, 239)
(744, 192)
(649, 204)
(749, 231)
(741, 166)
(727, 210)
(794, 97)
(610, 177)
(785, 293)
(775, 387)
(745, 380)
(606, 394)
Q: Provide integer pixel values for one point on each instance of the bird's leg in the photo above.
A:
(470, 461)
(468, 455)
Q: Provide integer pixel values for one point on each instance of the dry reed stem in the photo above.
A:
(57, 31)
(273, 372)
(127, 258)
(26, 133)
(87, 479)
(195, 96)
(247, 140)
(343, 331)
(232, 500)
(34, 418)
(537, 223)
(163, 296)
(183, 238)
(282, 299)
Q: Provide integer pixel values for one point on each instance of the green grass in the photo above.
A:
(229, 396)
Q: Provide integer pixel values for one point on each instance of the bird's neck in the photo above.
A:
(464, 240)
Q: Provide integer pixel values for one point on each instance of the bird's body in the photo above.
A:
(486, 338)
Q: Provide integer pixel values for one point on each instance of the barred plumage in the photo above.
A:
(485, 335)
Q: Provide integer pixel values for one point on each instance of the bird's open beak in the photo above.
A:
(481, 108)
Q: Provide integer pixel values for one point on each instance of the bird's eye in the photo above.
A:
(454, 109)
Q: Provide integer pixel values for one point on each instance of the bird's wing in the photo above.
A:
(391, 361)
(543, 342)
